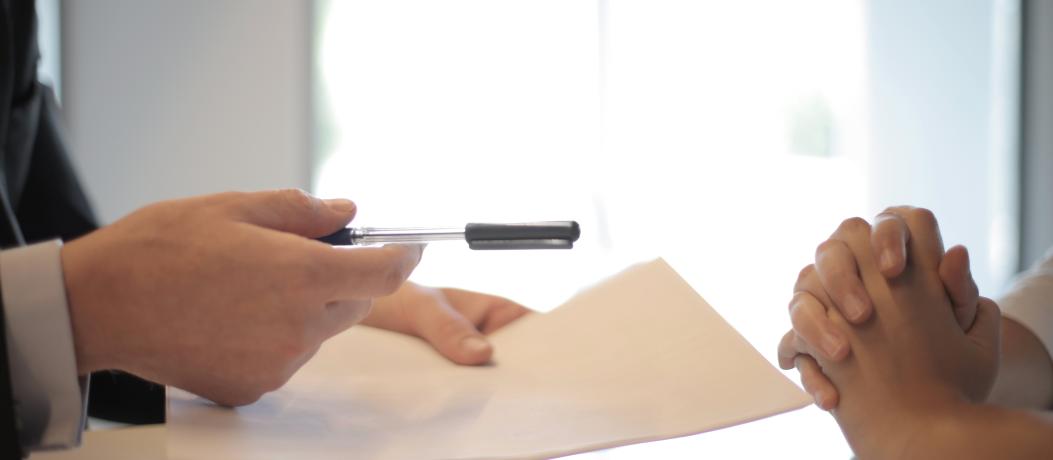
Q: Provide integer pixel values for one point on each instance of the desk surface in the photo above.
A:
(337, 414)
(805, 434)
(133, 443)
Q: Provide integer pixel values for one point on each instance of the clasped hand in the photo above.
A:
(888, 329)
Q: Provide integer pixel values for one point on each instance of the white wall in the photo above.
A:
(172, 98)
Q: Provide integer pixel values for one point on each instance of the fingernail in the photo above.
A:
(340, 205)
(854, 308)
(832, 345)
(475, 345)
(888, 260)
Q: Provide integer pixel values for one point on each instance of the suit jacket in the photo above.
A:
(40, 199)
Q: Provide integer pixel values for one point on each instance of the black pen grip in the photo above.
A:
(562, 230)
(340, 237)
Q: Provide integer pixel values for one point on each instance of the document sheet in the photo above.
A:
(637, 357)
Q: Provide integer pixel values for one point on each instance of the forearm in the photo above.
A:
(1025, 375)
(983, 431)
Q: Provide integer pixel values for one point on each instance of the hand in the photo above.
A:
(453, 321)
(911, 361)
(835, 280)
(224, 295)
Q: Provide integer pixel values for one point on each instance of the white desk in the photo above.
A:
(788, 436)
(135, 443)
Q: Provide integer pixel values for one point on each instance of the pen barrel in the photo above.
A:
(536, 235)
(365, 236)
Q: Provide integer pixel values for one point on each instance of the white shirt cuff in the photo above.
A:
(1030, 301)
(49, 401)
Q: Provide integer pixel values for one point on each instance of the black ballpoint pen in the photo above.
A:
(533, 235)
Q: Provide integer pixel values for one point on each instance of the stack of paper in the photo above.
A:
(636, 358)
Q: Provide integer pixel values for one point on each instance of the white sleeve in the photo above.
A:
(1030, 301)
(49, 399)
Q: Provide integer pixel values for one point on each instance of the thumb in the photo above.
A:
(294, 211)
(986, 330)
(452, 335)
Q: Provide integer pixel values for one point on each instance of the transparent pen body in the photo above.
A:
(373, 235)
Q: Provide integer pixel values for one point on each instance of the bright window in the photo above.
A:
(728, 137)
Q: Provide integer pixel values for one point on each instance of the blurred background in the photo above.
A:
(728, 137)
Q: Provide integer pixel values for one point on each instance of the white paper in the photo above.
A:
(639, 357)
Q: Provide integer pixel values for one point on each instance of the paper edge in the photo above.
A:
(804, 401)
(634, 441)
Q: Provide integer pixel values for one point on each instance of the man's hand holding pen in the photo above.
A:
(228, 295)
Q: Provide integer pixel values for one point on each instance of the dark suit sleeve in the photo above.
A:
(52, 203)
(10, 447)
(41, 187)
(9, 441)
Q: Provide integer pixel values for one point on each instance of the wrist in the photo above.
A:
(914, 428)
(952, 433)
(87, 321)
(928, 432)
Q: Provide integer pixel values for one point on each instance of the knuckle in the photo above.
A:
(854, 225)
(801, 345)
(808, 280)
(392, 281)
(797, 319)
(298, 198)
(352, 311)
(361, 310)
(394, 277)
(448, 327)
(807, 380)
(990, 304)
(831, 261)
(797, 309)
(889, 233)
(923, 216)
(826, 247)
(788, 348)
(803, 316)
(805, 274)
(896, 211)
